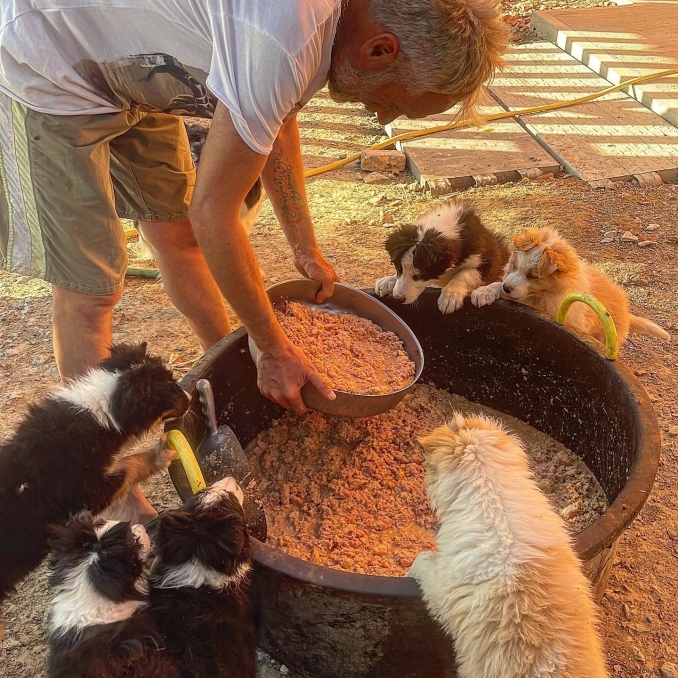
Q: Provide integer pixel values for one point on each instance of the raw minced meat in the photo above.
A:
(350, 493)
(351, 352)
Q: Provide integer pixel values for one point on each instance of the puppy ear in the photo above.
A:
(82, 523)
(70, 543)
(401, 240)
(436, 443)
(527, 240)
(553, 261)
(442, 440)
(123, 356)
(174, 535)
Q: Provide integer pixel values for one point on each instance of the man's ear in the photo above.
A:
(378, 53)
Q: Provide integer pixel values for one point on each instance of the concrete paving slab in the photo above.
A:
(620, 43)
(499, 152)
(612, 138)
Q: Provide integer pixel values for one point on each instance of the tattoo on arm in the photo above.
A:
(282, 176)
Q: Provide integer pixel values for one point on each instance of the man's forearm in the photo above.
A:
(228, 170)
(215, 218)
(235, 268)
(283, 178)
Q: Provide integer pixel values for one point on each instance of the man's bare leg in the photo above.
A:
(82, 334)
(82, 329)
(187, 278)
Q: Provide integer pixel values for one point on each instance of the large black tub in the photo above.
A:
(324, 623)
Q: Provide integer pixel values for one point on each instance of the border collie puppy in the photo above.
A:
(200, 587)
(447, 247)
(505, 582)
(544, 268)
(64, 456)
(99, 621)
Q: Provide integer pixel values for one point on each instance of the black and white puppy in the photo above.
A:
(197, 619)
(64, 456)
(200, 589)
(447, 247)
(100, 621)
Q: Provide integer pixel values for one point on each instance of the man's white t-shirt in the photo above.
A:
(263, 59)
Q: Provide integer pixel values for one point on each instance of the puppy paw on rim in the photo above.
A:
(486, 295)
(450, 300)
(420, 564)
(384, 286)
(163, 454)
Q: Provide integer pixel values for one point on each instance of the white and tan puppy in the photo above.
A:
(545, 268)
(505, 582)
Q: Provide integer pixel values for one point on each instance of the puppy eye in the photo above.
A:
(416, 277)
(531, 275)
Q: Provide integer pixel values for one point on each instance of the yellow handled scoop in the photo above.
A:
(220, 455)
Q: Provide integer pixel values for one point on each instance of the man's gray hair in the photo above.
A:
(447, 46)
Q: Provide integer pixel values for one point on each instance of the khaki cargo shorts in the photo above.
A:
(65, 182)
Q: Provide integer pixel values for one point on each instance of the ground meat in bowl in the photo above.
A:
(352, 353)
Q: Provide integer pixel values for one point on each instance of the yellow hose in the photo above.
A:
(490, 118)
(610, 329)
(177, 442)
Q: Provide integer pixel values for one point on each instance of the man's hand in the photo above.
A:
(283, 372)
(313, 265)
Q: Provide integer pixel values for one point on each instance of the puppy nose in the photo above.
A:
(507, 288)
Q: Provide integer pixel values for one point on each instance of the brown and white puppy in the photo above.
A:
(505, 582)
(545, 268)
(447, 247)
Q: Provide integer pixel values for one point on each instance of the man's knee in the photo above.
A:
(87, 306)
(164, 236)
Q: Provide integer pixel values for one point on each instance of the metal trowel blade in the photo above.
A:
(220, 456)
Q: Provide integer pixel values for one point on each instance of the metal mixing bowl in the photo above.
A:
(349, 300)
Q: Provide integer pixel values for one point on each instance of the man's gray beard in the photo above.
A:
(348, 84)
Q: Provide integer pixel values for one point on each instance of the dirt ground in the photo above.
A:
(640, 611)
